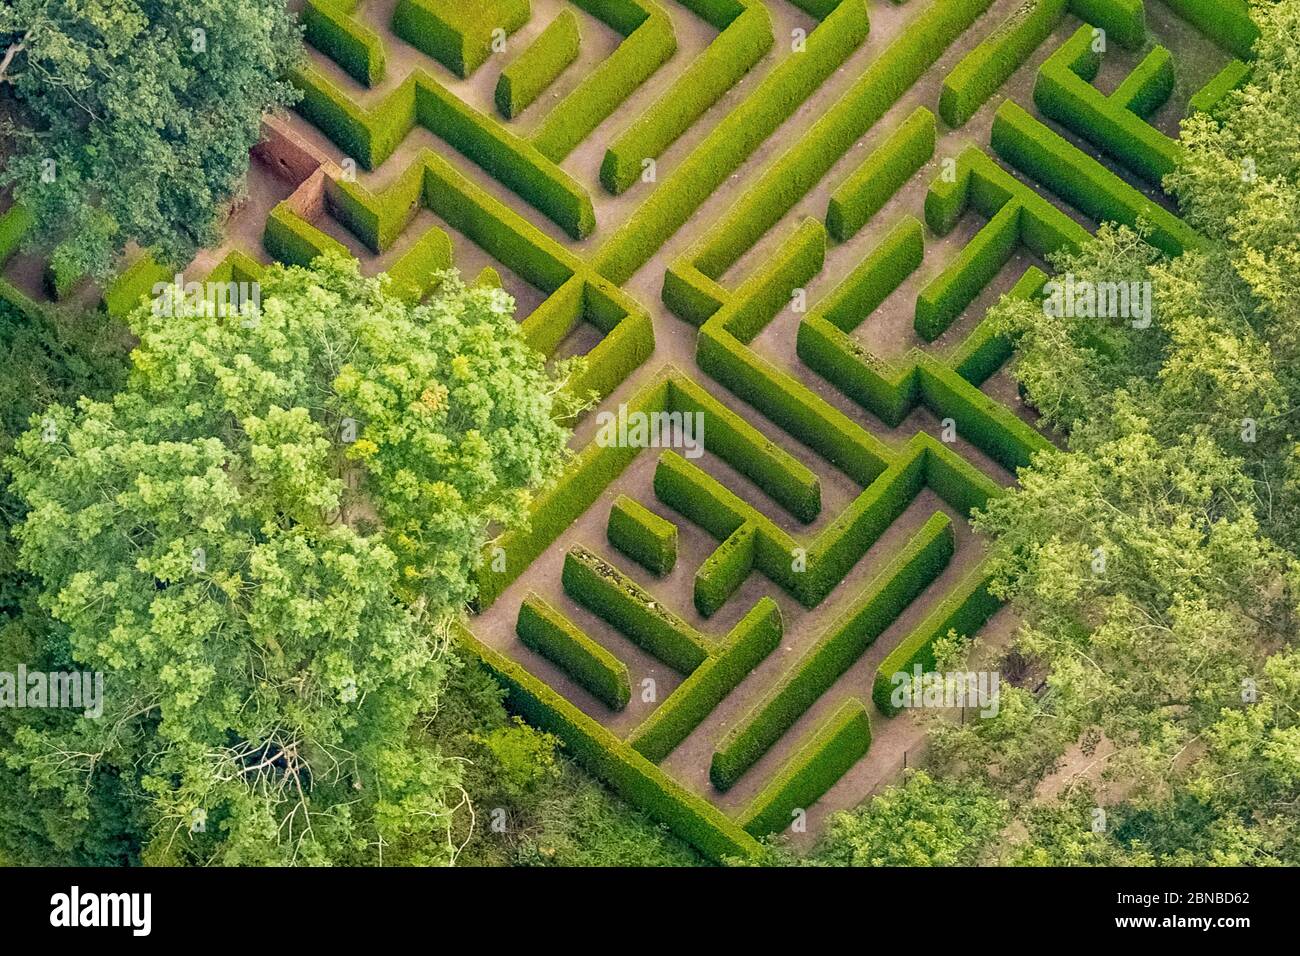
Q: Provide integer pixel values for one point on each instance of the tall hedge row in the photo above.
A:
(538, 66)
(819, 761)
(845, 640)
(548, 632)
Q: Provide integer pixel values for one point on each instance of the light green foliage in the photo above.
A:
(148, 123)
(920, 822)
(268, 598)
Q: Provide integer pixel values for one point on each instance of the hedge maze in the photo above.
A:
(784, 221)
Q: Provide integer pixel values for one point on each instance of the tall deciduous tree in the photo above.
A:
(131, 120)
(261, 542)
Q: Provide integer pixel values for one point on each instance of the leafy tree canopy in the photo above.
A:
(131, 120)
(269, 600)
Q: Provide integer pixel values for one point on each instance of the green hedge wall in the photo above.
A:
(756, 636)
(741, 44)
(549, 633)
(1082, 181)
(456, 34)
(732, 141)
(617, 599)
(415, 274)
(606, 88)
(987, 424)
(294, 241)
(888, 77)
(820, 760)
(1063, 92)
(539, 65)
(845, 640)
(515, 163)
(646, 538)
(963, 611)
(978, 263)
(329, 26)
(367, 137)
(982, 71)
(1227, 22)
(1208, 97)
(881, 175)
(628, 773)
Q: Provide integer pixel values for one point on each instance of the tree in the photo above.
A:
(131, 120)
(920, 822)
(268, 599)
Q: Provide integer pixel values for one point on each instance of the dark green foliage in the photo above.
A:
(548, 632)
(646, 538)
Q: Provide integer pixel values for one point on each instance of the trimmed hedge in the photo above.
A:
(1224, 82)
(628, 773)
(618, 600)
(132, 284)
(1227, 22)
(606, 88)
(331, 27)
(538, 66)
(954, 289)
(845, 640)
(983, 352)
(1124, 20)
(729, 436)
(1064, 92)
(881, 175)
(877, 277)
(646, 538)
(367, 137)
(294, 241)
(887, 78)
(725, 570)
(512, 161)
(416, 273)
(1082, 181)
(548, 632)
(457, 34)
(987, 424)
(819, 761)
(750, 642)
(732, 141)
(965, 610)
(982, 71)
(14, 224)
(557, 507)
(742, 43)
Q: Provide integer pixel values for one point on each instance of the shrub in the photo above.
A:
(549, 633)
(1082, 181)
(1064, 92)
(725, 570)
(881, 175)
(646, 538)
(1224, 82)
(982, 71)
(415, 272)
(617, 599)
(844, 641)
(538, 66)
(950, 292)
(742, 43)
(515, 163)
(750, 642)
(819, 761)
(595, 99)
(329, 26)
(1227, 22)
(963, 611)
(294, 241)
(628, 773)
(456, 34)
(128, 287)
(987, 424)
